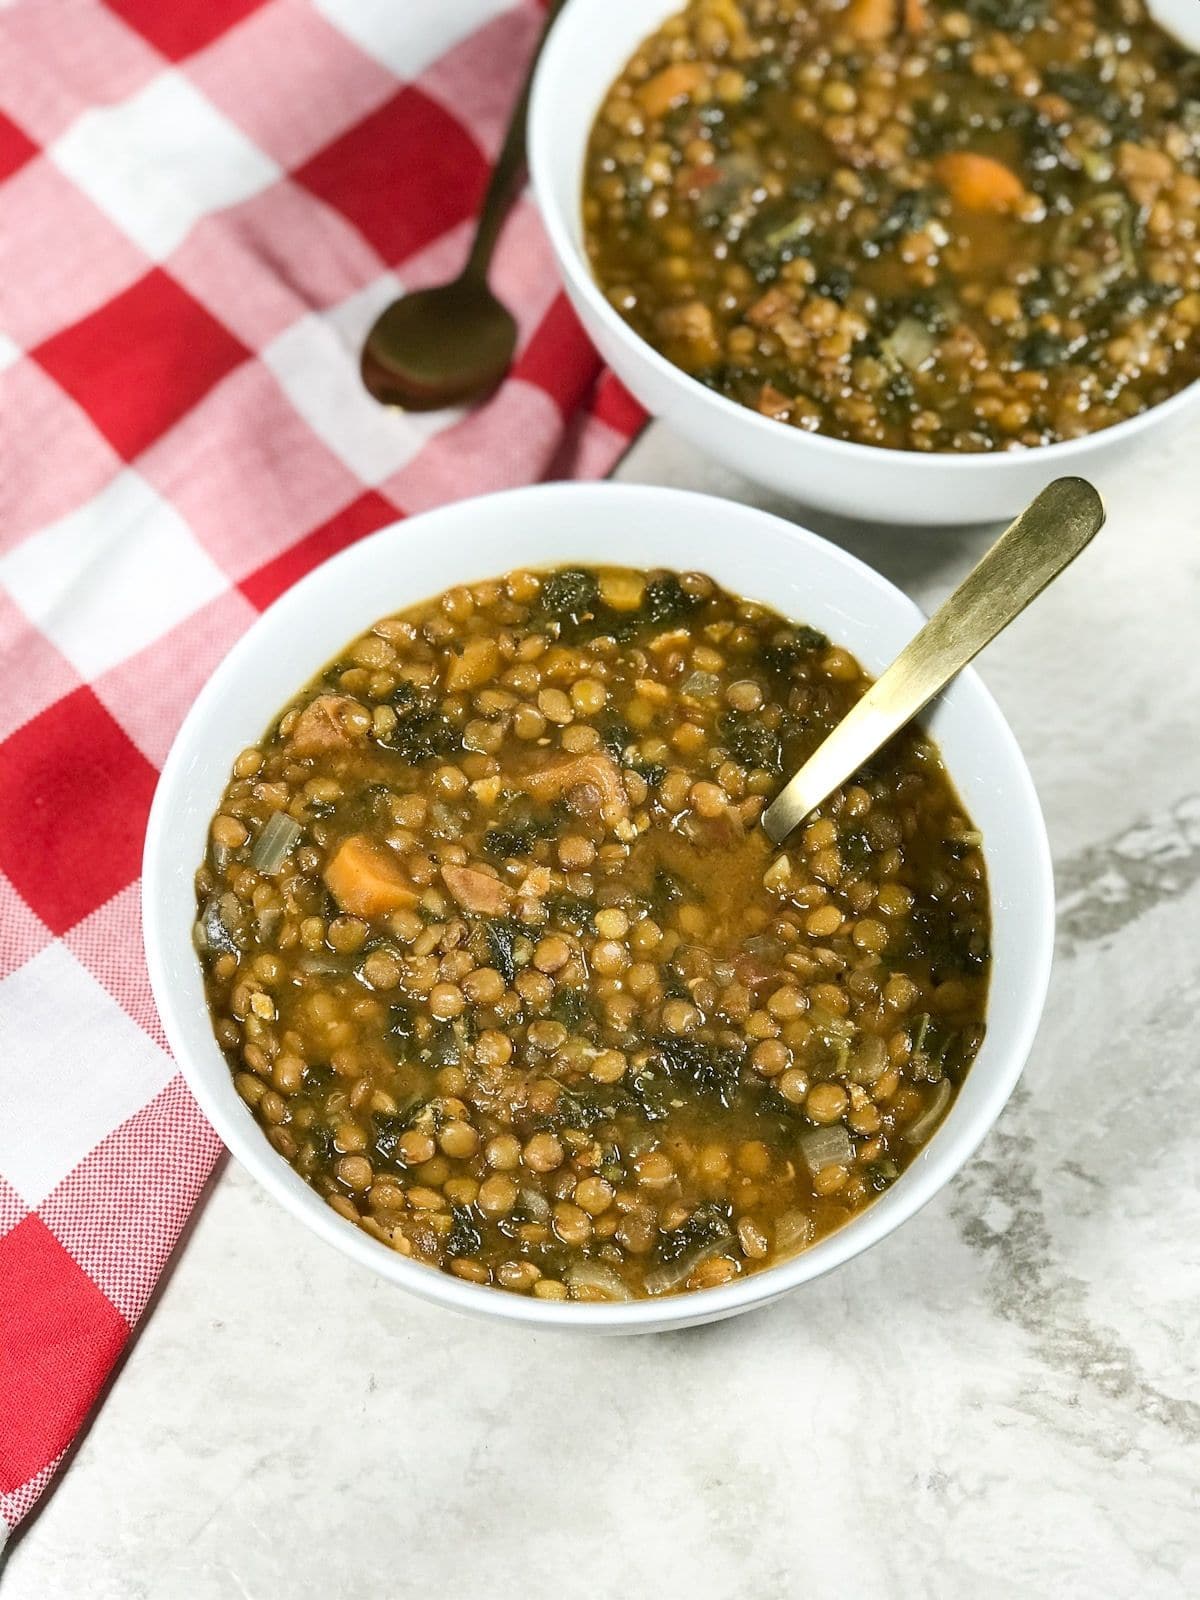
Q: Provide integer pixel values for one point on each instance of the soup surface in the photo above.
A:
(507, 970)
(906, 222)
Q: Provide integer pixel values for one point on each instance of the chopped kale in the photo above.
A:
(668, 889)
(796, 645)
(777, 238)
(570, 593)
(318, 1079)
(856, 850)
(519, 825)
(652, 772)
(571, 911)
(506, 842)
(1040, 350)
(674, 983)
(518, 835)
(1045, 291)
(320, 1140)
(881, 1174)
(834, 282)
(1008, 16)
(707, 1069)
(616, 735)
(400, 1023)
(749, 740)
(706, 1225)
(951, 944)
(447, 1043)
(1088, 93)
(501, 937)
(666, 600)
(898, 393)
(464, 1238)
(584, 1106)
(653, 1093)
(911, 209)
(422, 732)
(1131, 302)
(385, 1139)
(571, 1008)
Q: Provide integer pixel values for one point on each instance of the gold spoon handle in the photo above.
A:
(1031, 551)
(502, 184)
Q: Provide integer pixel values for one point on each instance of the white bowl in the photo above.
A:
(588, 47)
(749, 552)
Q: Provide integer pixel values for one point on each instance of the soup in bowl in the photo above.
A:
(489, 943)
(883, 257)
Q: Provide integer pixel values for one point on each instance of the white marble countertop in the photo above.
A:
(1001, 1400)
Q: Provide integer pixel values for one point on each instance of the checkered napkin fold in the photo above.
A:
(202, 208)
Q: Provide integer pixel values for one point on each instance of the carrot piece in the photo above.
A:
(671, 86)
(978, 183)
(916, 19)
(367, 879)
(477, 891)
(871, 20)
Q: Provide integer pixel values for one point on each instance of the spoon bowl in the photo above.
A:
(452, 344)
(439, 347)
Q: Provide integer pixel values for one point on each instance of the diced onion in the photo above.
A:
(705, 685)
(535, 1205)
(910, 343)
(826, 1147)
(275, 843)
(917, 1132)
(322, 964)
(596, 1278)
(663, 1279)
(220, 922)
(868, 1059)
(793, 1230)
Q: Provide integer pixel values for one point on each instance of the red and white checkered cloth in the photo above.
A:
(203, 206)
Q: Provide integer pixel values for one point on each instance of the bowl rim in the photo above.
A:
(543, 137)
(245, 1140)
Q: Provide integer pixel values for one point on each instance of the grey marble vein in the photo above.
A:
(1108, 885)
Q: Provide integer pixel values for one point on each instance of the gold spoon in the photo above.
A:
(453, 343)
(1029, 554)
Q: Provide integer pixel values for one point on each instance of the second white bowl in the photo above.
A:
(588, 47)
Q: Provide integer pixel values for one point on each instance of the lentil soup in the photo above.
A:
(505, 968)
(909, 223)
